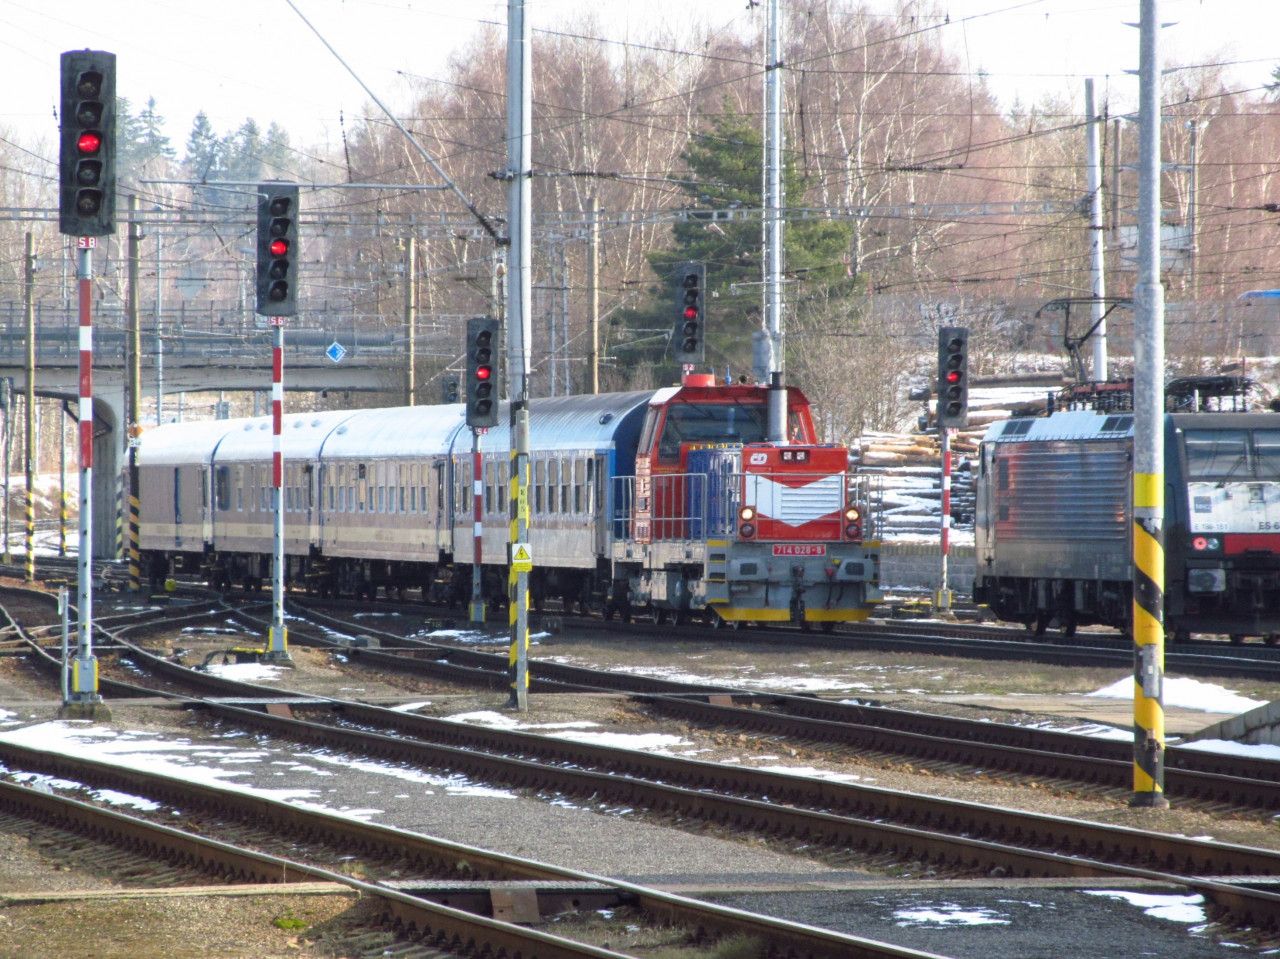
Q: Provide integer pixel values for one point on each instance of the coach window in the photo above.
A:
(539, 477)
(553, 478)
(239, 489)
(591, 485)
(579, 481)
(566, 478)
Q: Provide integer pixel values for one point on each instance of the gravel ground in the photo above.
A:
(610, 842)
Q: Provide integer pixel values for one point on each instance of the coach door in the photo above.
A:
(598, 501)
(206, 509)
(444, 515)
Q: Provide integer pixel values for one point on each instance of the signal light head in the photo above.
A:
(89, 84)
(852, 514)
(279, 247)
(484, 372)
(746, 513)
(89, 142)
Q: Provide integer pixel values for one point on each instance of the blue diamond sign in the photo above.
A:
(336, 351)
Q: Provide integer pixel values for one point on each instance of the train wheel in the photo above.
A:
(1041, 624)
(1069, 627)
(1271, 639)
(1237, 639)
(829, 626)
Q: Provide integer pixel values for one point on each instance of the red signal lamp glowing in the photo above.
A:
(484, 372)
(953, 376)
(690, 312)
(89, 142)
(279, 247)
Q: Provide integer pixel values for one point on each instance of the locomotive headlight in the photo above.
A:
(852, 531)
(746, 531)
(1202, 543)
(852, 514)
(746, 514)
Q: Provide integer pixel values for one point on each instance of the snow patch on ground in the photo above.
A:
(1188, 909)
(246, 672)
(1186, 694)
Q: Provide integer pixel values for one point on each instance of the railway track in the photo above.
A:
(1213, 780)
(944, 835)
(446, 900)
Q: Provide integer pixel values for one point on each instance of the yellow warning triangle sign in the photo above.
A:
(521, 554)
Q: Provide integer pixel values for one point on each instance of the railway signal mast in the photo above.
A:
(481, 414)
(953, 413)
(86, 210)
(277, 297)
(689, 337)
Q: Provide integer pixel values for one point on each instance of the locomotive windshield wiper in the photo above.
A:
(1242, 458)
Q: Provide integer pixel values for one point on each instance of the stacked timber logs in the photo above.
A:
(909, 471)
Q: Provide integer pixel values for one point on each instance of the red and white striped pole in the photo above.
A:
(477, 553)
(278, 636)
(944, 593)
(84, 671)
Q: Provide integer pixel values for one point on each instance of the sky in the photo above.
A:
(241, 58)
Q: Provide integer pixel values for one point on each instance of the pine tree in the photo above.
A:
(724, 167)
(151, 128)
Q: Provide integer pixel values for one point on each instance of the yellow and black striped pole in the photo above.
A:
(119, 545)
(135, 554)
(135, 394)
(517, 573)
(1148, 438)
(1148, 637)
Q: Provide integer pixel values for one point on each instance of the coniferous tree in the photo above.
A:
(725, 167)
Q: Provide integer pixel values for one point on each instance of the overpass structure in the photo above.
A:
(192, 361)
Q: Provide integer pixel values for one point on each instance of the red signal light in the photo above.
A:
(484, 372)
(690, 312)
(89, 142)
(953, 376)
(279, 247)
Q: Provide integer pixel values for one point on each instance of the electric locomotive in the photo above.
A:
(1053, 530)
(669, 502)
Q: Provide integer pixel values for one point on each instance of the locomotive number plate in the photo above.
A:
(799, 549)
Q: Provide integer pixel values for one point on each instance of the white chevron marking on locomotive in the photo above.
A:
(795, 505)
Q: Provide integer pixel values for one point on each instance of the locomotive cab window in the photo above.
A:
(1266, 444)
(1217, 454)
(710, 423)
(1233, 454)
